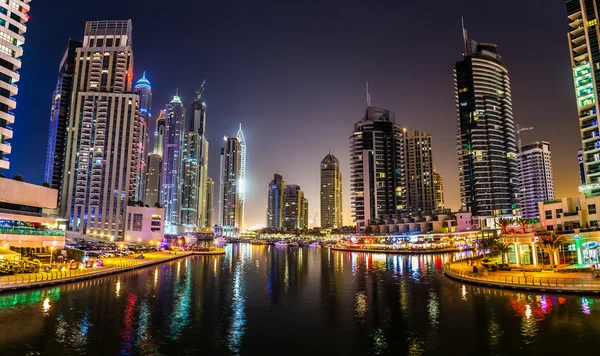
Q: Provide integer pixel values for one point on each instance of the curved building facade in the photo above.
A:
(331, 193)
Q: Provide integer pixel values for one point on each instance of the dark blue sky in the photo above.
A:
(293, 73)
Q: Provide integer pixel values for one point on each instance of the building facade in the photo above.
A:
(376, 167)
(210, 199)
(537, 182)
(584, 52)
(438, 190)
(59, 117)
(331, 193)
(303, 224)
(276, 202)
(172, 171)
(581, 166)
(153, 179)
(145, 225)
(144, 91)
(197, 128)
(418, 162)
(230, 209)
(293, 208)
(14, 19)
(190, 194)
(104, 134)
(242, 180)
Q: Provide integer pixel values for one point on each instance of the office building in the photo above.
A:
(230, 210)
(331, 193)
(173, 141)
(12, 31)
(190, 193)
(210, 198)
(144, 91)
(293, 208)
(438, 190)
(376, 167)
(537, 183)
(197, 129)
(486, 141)
(418, 162)
(276, 202)
(59, 117)
(104, 134)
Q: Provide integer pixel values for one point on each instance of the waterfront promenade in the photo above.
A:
(524, 280)
(413, 251)
(111, 266)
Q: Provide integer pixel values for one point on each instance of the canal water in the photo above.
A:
(268, 300)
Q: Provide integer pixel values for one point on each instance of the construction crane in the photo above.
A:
(519, 130)
(200, 91)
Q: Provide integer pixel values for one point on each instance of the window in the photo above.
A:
(591, 208)
(137, 222)
(548, 214)
(558, 213)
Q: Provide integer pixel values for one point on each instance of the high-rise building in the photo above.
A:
(581, 166)
(174, 137)
(584, 49)
(230, 210)
(376, 167)
(276, 202)
(303, 224)
(104, 137)
(59, 117)
(144, 90)
(293, 207)
(438, 190)
(486, 141)
(153, 179)
(197, 128)
(12, 31)
(191, 181)
(420, 190)
(537, 183)
(210, 197)
(331, 193)
(242, 181)
(159, 134)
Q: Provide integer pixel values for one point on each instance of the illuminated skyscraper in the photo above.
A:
(144, 90)
(191, 181)
(242, 181)
(197, 158)
(376, 167)
(172, 183)
(154, 164)
(103, 141)
(331, 193)
(583, 16)
(210, 198)
(486, 140)
(59, 117)
(159, 134)
(276, 202)
(537, 182)
(12, 31)
(438, 187)
(418, 163)
(230, 210)
(293, 208)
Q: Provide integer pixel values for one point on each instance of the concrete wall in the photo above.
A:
(152, 219)
(14, 192)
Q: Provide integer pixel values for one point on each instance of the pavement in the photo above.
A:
(464, 267)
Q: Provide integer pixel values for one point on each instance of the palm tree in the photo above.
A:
(550, 244)
(502, 249)
(504, 223)
(523, 223)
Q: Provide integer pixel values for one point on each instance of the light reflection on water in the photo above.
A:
(258, 298)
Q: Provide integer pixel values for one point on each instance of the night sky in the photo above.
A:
(293, 73)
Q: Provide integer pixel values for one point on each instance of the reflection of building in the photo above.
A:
(103, 141)
(12, 32)
(331, 193)
(418, 162)
(144, 225)
(295, 214)
(376, 167)
(276, 202)
(230, 209)
(438, 190)
(487, 147)
(144, 90)
(28, 216)
(536, 179)
(59, 117)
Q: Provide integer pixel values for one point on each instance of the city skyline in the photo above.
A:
(262, 113)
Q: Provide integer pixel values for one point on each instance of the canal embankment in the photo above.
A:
(401, 252)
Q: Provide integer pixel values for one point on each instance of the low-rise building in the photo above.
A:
(440, 223)
(144, 225)
(567, 214)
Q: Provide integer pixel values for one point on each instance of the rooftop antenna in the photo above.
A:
(465, 36)
(368, 96)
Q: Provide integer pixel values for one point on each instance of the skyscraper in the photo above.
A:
(376, 167)
(154, 164)
(537, 182)
(276, 202)
(584, 51)
(210, 197)
(159, 134)
(420, 190)
(59, 117)
(172, 162)
(197, 128)
(144, 90)
(438, 188)
(103, 140)
(191, 181)
(242, 181)
(303, 224)
(486, 141)
(230, 210)
(293, 208)
(331, 193)
(12, 31)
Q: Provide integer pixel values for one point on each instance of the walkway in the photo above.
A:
(402, 252)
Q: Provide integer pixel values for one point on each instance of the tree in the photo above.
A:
(18, 178)
(550, 244)
(523, 223)
(157, 205)
(46, 184)
(502, 249)
(504, 223)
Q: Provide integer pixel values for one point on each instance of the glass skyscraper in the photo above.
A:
(144, 90)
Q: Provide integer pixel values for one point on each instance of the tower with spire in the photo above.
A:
(242, 179)
(144, 90)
